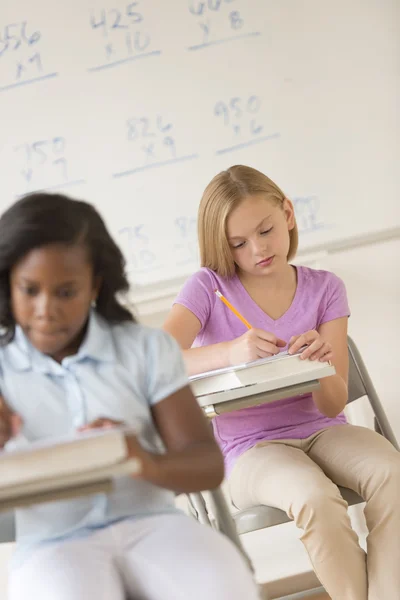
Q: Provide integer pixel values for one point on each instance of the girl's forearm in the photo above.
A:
(207, 358)
(331, 397)
(196, 468)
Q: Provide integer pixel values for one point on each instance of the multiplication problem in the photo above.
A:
(43, 164)
(241, 119)
(20, 56)
(136, 242)
(151, 144)
(240, 115)
(186, 247)
(219, 21)
(123, 34)
(152, 137)
(307, 213)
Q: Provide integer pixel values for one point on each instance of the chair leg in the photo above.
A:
(225, 522)
(198, 504)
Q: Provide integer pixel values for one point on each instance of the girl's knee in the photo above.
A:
(226, 573)
(384, 482)
(320, 504)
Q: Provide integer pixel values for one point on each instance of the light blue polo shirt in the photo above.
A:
(119, 372)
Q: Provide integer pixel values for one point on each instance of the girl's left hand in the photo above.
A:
(149, 464)
(317, 348)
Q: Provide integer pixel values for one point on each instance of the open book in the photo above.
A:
(281, 370)
(48, 470)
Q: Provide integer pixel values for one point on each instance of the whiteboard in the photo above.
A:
(135, 106)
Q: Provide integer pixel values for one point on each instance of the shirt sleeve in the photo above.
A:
(166, 372)
(197, 295)
(337, 305)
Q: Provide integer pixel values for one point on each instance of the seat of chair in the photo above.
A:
(260, 517)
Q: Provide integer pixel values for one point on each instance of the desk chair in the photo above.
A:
(260, 517)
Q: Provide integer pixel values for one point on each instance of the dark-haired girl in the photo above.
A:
(72, 357)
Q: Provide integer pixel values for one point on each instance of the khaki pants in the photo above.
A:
(297, 476)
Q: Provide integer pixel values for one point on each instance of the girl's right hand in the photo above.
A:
(254, 344)
(10, 423)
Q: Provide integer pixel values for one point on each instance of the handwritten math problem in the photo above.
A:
(21, 60)
(154, 137)
(219, 21)
(241, 122)
(307, 210)
(122, 35)
(153, 144)
(136, 241)
(43, 164)
(144, 256)
(186, 248)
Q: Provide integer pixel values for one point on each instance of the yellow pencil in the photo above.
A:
(232, 308)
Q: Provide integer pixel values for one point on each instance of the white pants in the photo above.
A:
(167, 557)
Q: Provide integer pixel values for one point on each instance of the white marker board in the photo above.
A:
(136, 105)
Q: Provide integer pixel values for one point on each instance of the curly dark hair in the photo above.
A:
(39, 219)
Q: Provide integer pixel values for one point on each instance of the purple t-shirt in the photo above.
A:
(320, 297)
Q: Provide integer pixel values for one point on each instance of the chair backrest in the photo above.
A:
(356, 386)
(360, 384)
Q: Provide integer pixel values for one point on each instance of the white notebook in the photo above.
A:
(245, 365)
(49, 468)
(282, 367)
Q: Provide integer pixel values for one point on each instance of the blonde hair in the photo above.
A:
(225, 191)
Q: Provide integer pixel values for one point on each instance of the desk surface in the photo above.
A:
(256, 387)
